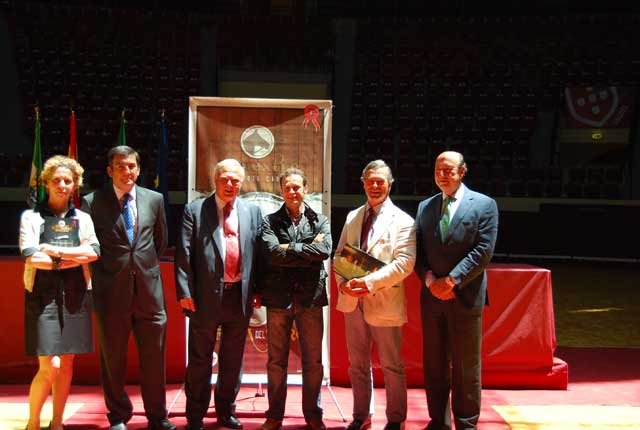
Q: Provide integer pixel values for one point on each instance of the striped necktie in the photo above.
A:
(127, 215)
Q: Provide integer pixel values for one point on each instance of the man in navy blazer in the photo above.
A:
(456, 232)
(127, 289)
(215, 257)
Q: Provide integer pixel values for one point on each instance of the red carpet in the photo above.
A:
(601, 382)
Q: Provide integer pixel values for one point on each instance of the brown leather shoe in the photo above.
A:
(316, 423)
(271, 424)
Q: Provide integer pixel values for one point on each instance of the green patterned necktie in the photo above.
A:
(446, 217)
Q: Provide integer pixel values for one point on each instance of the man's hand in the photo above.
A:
(319, 238)
(187, 304)
(355, 288)
(345, 289)
(441, 289)
(284, 246)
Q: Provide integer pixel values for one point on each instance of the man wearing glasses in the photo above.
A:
(456, 233)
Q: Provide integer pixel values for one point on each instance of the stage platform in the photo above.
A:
(603, 394)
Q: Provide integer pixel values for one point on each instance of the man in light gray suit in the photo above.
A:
(374, 306)
(456, 232)
(215, 257)
(127, 288)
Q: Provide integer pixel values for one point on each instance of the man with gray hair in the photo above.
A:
(374, 305)
(215, 257)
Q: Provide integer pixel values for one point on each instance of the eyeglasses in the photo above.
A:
(447, 172)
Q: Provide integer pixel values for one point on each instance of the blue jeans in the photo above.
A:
(309, 323)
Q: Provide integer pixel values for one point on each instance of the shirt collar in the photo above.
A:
(458, 194)
(378, 208)
(120, 193)
(302, 213)
(220, 204)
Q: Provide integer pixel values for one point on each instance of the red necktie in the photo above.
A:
(366, 228)
(232, 252)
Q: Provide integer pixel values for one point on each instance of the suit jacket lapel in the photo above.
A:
(357, 225)
(117, 209)
(244, 225)
(461, 212)
(384, 220)
(437, 215)
(244, 221)
(141, 210)
(210, 213)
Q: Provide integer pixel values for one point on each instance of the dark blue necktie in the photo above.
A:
(127, 214)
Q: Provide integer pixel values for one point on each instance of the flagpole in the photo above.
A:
(162, 161)
(122, 134)
(73, 152)
(36, 192)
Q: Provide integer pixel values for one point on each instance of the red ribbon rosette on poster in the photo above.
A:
(311, 113)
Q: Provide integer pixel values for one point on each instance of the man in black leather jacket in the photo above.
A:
(295, 241)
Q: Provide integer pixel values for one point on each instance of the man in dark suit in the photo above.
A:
(127, 288)
(456, 232)
(215, 256)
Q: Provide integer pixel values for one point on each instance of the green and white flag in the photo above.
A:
(36, 187)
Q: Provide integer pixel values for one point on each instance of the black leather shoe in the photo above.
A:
(316, 423)
(230, 422)
(357, 424)
(394, 426)
(163, 424)
(118, 426)
(195, 425)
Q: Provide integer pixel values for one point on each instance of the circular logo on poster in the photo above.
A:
(257, 141)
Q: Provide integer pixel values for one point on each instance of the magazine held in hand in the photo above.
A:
(352, 262)
(61, 231)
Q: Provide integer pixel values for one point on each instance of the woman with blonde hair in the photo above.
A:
(57, 241)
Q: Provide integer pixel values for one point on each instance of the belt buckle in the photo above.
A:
(226, 286)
